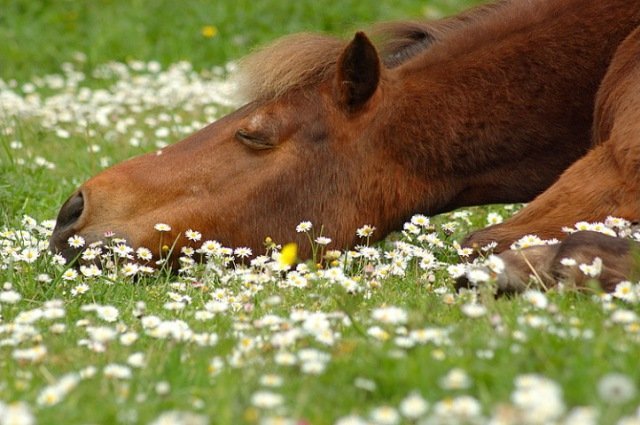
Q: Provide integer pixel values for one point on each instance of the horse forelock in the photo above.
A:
(290, 62)
(305, 59)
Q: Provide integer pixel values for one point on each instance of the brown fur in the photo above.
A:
(605, 181)
(490, 106)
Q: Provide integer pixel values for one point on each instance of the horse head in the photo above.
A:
(306, 146)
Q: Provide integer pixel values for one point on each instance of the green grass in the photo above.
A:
(575, 341)
(37, 36)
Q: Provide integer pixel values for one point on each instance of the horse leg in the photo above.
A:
(615, 260)
(593, 188)
(609, 260)
(525, 268)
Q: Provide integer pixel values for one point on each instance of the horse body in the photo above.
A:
(499, 109)
(604, 182)
(489, 106)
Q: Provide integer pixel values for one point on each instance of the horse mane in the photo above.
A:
(304, 59)
(402, 40)
(292, 61)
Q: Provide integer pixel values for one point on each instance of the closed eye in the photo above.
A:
(254, 140)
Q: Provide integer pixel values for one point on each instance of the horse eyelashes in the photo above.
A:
(254, 140)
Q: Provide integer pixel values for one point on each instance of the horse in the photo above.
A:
(495, 105)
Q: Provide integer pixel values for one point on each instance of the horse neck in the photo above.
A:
(500, 121)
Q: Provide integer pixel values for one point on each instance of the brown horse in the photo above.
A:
(490, 106)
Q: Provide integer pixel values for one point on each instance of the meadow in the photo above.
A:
(377, 335)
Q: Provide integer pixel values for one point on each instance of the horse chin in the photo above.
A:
(59, 244)
(68, 253)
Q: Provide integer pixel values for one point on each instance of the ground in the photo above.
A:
(377, 335)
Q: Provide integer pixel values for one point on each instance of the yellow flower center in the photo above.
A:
(209, 31)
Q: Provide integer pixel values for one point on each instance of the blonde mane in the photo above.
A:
(292, 61)
(304, 59)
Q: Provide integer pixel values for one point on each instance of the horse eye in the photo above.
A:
(254, 140)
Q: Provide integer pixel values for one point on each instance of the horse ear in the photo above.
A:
(358, 72)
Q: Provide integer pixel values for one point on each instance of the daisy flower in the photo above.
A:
(494, 218)
(266, 400)
(29, 255)
(210, 248)
(117, 371)
(129, 269)
(144, 254)
(593, 269)
(76, 241)
(536, 298)
(322, 240)
(616, 388)
(90, 254)
(242, 252)
(390, 315)
(122, 250)
(626, 291)
(385, 415)
(193, 235)
(413, 406)
(69, 274)
(455, 379)
(304, 227)
(162, 227)
(80, 289)
(473, 310)
(365, 231)
(90, 271)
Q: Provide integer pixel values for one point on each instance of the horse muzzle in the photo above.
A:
(67, 225)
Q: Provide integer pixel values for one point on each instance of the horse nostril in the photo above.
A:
(70, 211)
